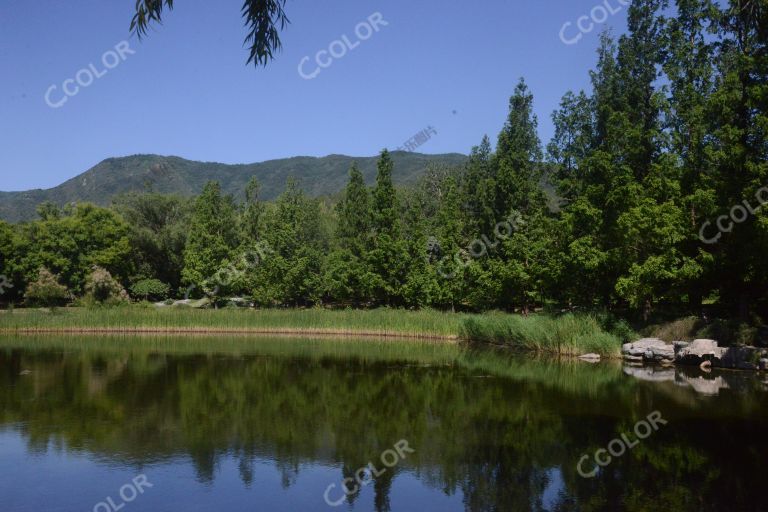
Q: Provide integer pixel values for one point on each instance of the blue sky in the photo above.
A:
(186, 90)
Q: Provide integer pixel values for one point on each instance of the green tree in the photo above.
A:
(507, 259)
(150, 288)
(70, 244)
(291, 273)
(348, 275)
(46, 290)
(158, 234)
(387, 256)
(10, 273)
(479, 188)
(101, 288)
(517, 159)
(252, 211)
(740, 137)
(211, 239)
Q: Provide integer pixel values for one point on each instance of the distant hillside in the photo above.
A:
(317, 176)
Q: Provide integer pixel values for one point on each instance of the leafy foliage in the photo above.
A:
(102, 288)
(673, 133)
(46, 290)
(150, 288)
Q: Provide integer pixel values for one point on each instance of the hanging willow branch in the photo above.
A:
(264, 20)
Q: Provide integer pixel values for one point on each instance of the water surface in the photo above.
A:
(277, 425)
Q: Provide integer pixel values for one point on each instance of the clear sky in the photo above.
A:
(186, 90)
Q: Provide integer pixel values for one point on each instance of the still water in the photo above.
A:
(243, 424)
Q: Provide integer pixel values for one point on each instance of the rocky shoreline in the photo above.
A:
(702, 352)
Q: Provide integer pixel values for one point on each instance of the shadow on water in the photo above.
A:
(491, 431)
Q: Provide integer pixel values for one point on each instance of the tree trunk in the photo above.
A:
(647, 310)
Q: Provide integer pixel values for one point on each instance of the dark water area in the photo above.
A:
(243, 424)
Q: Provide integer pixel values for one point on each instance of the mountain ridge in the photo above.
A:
(112, 176)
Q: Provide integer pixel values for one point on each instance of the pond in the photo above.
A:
(201, 423)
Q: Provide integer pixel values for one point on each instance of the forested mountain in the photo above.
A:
(174, 175)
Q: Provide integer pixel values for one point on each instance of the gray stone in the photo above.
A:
(702, 352)
(590, 358)
(650, 349)
(704, 346)
(699, 351)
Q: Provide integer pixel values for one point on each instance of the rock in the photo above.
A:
(708, 353)
(703, 346)
(25, 372)
(763, 364)
(699, 351)
(649, 349)
(640, 347)
(590, 358)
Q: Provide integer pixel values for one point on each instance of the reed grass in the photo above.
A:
(381, 322)
(567, 334)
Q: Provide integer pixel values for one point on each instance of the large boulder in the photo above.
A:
(707, 351)
(650, 349)
(698, 351)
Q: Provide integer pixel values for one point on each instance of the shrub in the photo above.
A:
(46, 290)
(150, 288)
(102, 288)
(730, 332)
(682, 329)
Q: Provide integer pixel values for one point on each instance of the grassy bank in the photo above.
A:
(381, 322)
(567, 335)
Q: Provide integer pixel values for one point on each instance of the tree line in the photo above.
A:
(623, 209)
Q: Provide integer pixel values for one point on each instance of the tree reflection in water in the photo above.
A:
(501, 432)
